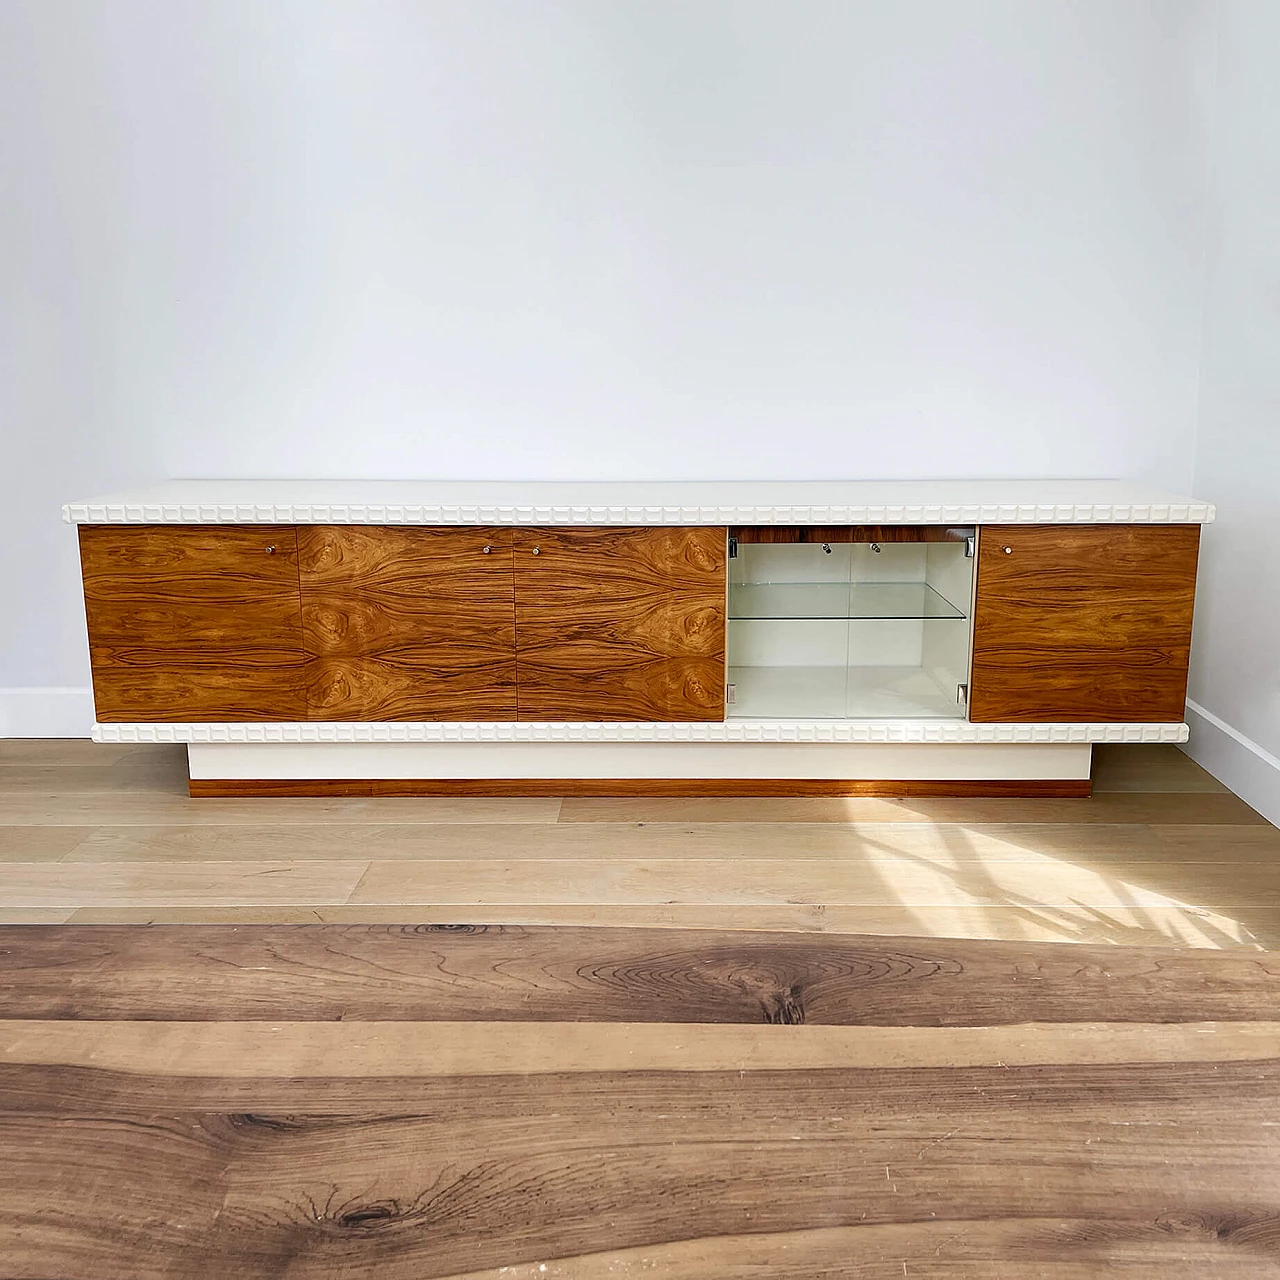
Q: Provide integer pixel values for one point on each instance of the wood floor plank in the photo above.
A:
(421, 973)
(108, 1197)
(75, 752)
(152, 808)
(853, 869)
(326, 1164)
(1229, 1098)
(114, 808)
(162, 777)
(1192, 844)
(851, 881)
(957, 843)
(1013, 1249)
(65, 884)
(304, 1050)
(1107, 807)
(623, 841)
(1250, 930)
(40, 844)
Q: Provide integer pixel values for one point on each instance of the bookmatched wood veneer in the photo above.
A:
(408, 623)
(1083, 622)
(193, 622)
(620, 624)
(378, 623)
(357, 622)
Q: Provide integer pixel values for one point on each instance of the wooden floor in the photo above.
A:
(1161, 854)
(864, 1055)
(333, 1102)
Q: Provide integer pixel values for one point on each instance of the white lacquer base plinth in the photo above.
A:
(901, 762)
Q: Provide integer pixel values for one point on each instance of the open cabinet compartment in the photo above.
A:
(849, 623)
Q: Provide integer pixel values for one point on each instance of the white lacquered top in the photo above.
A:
(640, 503)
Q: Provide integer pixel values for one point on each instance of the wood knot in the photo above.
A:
(1187, 1222)
(275, 1124)
(784, 1007)
(367, 1216)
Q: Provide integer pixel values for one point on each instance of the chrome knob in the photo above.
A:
(1007, 550)
(537, 551)
(271, 551)
(487, 550)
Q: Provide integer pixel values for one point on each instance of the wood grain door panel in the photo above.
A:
(408, 623)
(1083, 622)
(621, 624)
(193, 622)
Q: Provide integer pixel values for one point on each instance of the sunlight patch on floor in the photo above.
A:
(964, 871)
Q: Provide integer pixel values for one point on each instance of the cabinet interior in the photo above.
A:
(850, 630)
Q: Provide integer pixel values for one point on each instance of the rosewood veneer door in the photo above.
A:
(193, 622)
(408, 623)
(620, 624)
(1083, 622)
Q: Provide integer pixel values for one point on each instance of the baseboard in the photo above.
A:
(50, 712)
(1238, 762)
(690, 787)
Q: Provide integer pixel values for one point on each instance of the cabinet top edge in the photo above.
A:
(455, 502)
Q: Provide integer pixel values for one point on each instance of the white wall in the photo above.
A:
(1235, 671)
(573, 239)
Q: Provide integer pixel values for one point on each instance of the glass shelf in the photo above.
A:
(838, 600)
(822, 693)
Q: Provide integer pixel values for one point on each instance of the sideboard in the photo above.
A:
(812, 638)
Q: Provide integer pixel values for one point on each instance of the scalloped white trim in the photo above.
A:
(448, 514)
(797, 731)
